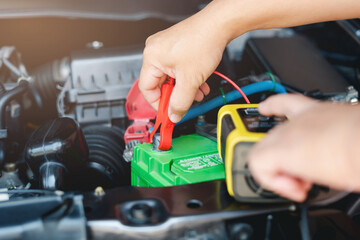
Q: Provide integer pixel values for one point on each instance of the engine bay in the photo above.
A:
(75, 154)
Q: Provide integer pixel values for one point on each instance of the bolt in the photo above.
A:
(141, 212)
(357, 33)
(99, 191)
(201, 120)
(156, 143)
(95, 45)
(292, 208)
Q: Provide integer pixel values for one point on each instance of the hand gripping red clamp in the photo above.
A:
(162, 117)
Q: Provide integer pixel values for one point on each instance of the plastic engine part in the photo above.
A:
(191, 159)
(100, 82)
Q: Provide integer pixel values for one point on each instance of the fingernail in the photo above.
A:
(175, 118)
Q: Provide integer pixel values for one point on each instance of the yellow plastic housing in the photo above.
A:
(237, 136)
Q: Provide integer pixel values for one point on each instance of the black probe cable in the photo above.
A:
(304, 223)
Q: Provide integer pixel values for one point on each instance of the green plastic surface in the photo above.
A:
(191, 159)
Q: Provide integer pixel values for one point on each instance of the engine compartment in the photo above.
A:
(73, 162)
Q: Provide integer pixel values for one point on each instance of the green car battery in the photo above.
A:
(191, 159)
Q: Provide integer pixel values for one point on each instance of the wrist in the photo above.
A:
(230, 18)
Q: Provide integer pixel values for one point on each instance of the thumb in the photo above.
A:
(181, 99)
(285, 105)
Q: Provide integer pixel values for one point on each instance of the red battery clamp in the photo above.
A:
(167, 126)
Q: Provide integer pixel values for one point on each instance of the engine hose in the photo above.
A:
(230, 97)
(106, 147)
(114, 132)
(46, 78)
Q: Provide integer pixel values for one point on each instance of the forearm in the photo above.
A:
(235, 17)
(352, 154)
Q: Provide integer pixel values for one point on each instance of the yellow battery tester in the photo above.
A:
(239, 127)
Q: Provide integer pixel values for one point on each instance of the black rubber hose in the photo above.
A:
(44, 82)
(115, 133)
(304, 224)
(110, 142)
(103, 146)
(106, 147)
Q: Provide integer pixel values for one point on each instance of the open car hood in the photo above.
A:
(129, 10)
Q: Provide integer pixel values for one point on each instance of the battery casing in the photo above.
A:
(191, 159)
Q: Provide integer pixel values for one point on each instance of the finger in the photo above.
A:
(268, 169)
(284, 185)
(205, 88)
(285, 105)
(182, 97)
(199, 96)
(290, 187)
(149, 84)
(270, 177)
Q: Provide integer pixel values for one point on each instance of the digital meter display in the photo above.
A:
(255, 122)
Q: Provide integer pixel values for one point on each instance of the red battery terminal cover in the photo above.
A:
(167, 126)
(141, 112)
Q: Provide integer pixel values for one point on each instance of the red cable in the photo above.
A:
(234, 85)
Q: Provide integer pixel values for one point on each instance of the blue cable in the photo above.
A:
(230, 97)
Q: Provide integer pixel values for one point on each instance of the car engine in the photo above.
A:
(75, 157)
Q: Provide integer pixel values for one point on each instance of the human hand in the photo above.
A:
(319, 144)
(189, 52)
